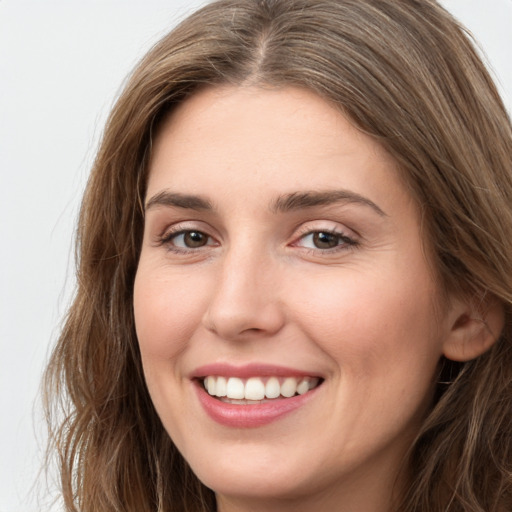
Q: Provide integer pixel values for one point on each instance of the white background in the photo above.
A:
(62, 63)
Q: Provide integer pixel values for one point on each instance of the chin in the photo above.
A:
(245, 483)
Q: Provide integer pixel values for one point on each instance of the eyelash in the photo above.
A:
(167, 239)
(344, 242)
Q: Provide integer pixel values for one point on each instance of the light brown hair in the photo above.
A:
(405, 72)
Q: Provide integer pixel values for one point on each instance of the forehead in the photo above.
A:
(291, 134)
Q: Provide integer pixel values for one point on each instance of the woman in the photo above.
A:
(294, 273)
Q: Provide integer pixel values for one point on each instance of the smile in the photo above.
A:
(253, 395)
(257, 390)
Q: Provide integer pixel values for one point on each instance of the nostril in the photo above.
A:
(237, 322)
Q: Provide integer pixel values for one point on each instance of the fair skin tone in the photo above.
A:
(280, 239)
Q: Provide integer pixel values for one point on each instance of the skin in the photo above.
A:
(360, 314)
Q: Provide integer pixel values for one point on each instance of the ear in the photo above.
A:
(475, 327)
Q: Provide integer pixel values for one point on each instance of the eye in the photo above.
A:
(187, 239)
(325, 240)
(190, 239)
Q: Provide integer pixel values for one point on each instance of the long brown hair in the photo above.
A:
(405, 72)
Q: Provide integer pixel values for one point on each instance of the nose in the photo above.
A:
(246, 300)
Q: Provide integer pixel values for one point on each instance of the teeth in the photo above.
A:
(210, 385)
(303, 387)
(289, 387)
(272, 388)
(235, 388)
(256, 389)
(221, 387)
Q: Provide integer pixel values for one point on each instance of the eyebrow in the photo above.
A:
(285, 203)
(300, 200)
(186, 201)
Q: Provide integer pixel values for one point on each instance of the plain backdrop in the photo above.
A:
(62, 64)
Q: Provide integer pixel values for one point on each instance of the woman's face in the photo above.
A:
(282, 255)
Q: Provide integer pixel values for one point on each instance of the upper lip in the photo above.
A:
(249, 370)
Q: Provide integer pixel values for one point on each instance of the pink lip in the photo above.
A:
(249, 416)
(248, 370)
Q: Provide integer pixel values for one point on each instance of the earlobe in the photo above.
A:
(474, 329)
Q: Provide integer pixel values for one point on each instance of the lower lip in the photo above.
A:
(250, 416)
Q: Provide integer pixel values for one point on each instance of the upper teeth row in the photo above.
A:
(256, 388)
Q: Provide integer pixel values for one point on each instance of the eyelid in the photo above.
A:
(185, 225)
(327, 226)
(166, 236)
(349, 237)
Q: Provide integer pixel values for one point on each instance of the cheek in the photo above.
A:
(371, 321)
(382, 337)
(166, 313)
